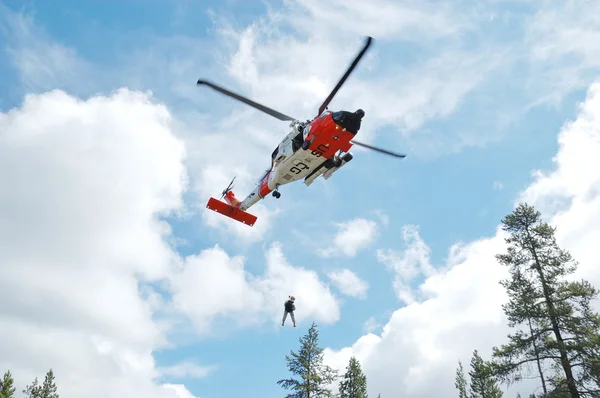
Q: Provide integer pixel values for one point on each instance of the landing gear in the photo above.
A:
(336, 161)
(276, 194)
(305, 145)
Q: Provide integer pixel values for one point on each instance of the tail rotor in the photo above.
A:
(226, 190)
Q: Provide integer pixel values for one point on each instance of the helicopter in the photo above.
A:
(314, 148)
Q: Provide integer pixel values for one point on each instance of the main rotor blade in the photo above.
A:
(253, 104)
(398, 155)
(343, 79)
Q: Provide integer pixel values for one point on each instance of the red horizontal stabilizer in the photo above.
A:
(231, 212)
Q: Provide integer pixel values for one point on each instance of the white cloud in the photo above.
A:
(498, 186)
(409, 264)
(352, 236)
(314, 300)
(42, 64)
(424, 340)
(262, 64)
(562, 43)
(410, 93)
(84, 184)
(383, 218)
(371, 325)
(265, 64)
(179, 390)
(425, 21)
(186, 369)
(361, 349)
(212, 284)
(349, 283)
(570, 193)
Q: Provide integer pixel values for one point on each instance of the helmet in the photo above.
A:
(293, 298)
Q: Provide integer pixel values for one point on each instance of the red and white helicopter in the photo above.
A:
(317, 147)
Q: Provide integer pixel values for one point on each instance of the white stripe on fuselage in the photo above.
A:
(291, 169)
(294, 168)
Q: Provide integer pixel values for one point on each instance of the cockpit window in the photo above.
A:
(348, 120)
(337, 116)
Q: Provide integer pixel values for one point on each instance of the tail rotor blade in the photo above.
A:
(385, 151)
(247, 101)
(230, 184)
(343, 79)
(228, 188)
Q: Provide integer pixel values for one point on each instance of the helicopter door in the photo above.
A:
(286, 147)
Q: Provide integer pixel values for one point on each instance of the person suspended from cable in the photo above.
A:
(288, 308)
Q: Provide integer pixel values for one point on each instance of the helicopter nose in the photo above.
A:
(360, 113)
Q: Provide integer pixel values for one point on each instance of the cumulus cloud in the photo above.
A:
(186, 369)
(462, 310)
(352, 236)
(44, 64)
(212, 284)
(264, 64)
(412, 262)
(86, 183)
(349, 283)
(371, 325)
(179, 390)
(569, 194)
(84, 186)
(433, 84)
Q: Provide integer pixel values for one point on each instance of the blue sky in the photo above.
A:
(459, 88)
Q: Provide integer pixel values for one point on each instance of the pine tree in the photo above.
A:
(461, 382)
(522, 309)
(7, 389)
(47, 390)
(33, 390)
(561, 327)
(354, 383)
(558, 386)
(315, 377)
(483, 384)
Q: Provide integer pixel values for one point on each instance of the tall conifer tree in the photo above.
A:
(354, 382)
(315, 377)
(559, 325)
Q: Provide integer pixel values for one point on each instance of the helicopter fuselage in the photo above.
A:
(327, 135)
